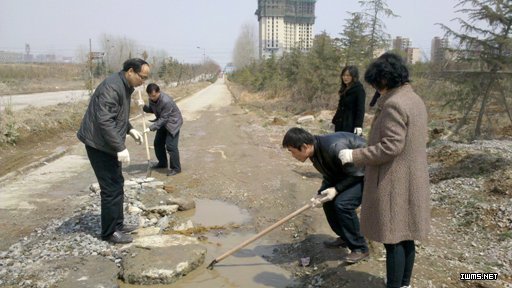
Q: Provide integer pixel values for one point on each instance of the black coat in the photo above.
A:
(350, 112)
(106, 121)
(325, 160)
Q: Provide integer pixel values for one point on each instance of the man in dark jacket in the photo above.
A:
(103, 131)
(167, 126)
(341, 191)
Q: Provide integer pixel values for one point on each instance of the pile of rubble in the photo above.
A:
(67, 251)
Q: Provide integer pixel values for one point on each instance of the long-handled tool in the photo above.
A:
(259, 235)
(145, 138)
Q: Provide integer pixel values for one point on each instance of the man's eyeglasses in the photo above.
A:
(143, 78)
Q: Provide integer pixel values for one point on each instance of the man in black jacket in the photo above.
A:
(167, 126)
(103, 131)
(341, 191)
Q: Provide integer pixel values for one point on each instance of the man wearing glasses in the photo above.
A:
(103, 131)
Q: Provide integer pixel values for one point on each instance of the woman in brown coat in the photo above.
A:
(395, 208)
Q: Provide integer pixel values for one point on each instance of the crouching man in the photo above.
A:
(341, 191)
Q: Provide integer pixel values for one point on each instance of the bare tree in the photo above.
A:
(245, 47)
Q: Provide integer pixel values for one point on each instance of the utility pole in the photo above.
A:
(204, 53)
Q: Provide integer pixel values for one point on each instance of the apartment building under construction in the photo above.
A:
(285, 24)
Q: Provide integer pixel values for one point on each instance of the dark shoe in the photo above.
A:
(119, 238)
(127, 228)
(158, 166)
(172, 172)
(336, 243)
(356, 256)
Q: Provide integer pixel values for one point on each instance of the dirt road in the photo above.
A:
(234, 167)
(17, 102)
(224, 157)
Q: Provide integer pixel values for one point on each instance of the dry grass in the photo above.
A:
(32, 78)
(33, 123)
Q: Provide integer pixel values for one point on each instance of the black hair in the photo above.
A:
(388, 71)
(135, 64)
(296, 137)
(353, 71)
(152, 87)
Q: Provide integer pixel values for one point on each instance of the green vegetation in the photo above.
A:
(471, 89)
(8, 127)
(483, 57)
(308, 80)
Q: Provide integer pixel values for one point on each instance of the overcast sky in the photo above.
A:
(180, 26)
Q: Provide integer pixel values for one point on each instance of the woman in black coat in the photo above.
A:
(350, 113)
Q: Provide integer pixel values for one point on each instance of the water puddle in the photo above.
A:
(215, 213)
(245, 268)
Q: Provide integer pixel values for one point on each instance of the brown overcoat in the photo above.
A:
(396, 196)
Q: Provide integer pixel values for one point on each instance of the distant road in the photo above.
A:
(17, 102)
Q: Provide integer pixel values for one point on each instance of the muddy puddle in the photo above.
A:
(245, 268)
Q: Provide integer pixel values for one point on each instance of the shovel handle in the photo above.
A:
(144, 127)
(259, 235)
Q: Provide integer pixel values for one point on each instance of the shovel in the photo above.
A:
(259, 235)
(145, 139)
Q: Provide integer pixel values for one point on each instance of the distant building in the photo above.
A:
(17, 57)
(229, 68)
(285, 24)
(10, 57)
(45, 58)
(401, 43)
(439, 50)
(413, 55)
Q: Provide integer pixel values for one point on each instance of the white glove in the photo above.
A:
(146, 130)
(124, 157)
(345, 156)
(358, 131)
(140, 102)
(136, 136)
(328, 194)
(315, 201)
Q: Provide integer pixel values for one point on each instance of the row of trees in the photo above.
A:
(484, 34)
(165, 68)
(171, 70)
(309, 78)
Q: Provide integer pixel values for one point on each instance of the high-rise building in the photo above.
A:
(438, 49)
(401, 43)
(285, 24)
(413, 55)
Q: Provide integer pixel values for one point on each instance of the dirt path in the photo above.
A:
(223, 159)
(18, 102)
(231, 154)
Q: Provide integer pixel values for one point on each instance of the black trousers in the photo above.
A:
(342, 217)
(165, 141)
(110, 177)
(399, 263)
